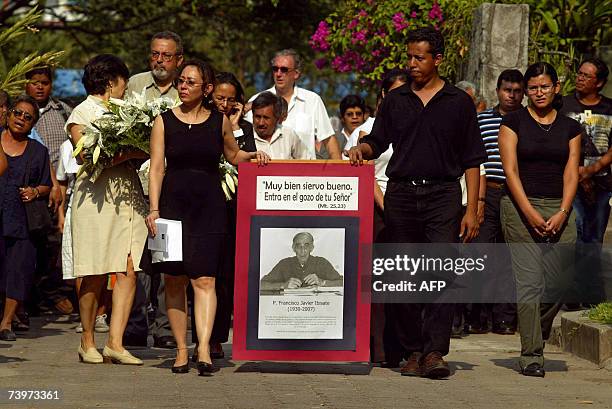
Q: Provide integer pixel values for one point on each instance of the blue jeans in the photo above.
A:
(592, 218)
(591, 222)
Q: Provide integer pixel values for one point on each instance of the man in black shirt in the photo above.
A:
(594, 112)
(435, 137)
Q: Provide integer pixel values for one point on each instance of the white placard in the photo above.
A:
(307, 193)
(314, 315)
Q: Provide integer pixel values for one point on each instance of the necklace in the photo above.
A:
(545, 127)
(196, 118)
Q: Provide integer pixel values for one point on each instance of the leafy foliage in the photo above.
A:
(236, 36)
(563, 32)
(367, 38)
(602, 313)
(13, 81)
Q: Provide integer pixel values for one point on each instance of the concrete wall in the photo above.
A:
(500, 36)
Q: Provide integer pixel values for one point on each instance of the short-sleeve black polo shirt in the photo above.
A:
(437, 141)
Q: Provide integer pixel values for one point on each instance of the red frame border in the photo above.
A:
(247, 195)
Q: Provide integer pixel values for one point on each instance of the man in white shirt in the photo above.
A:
(307, 115)
(277, 141)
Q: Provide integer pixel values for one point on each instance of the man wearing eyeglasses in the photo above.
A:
(594, 111)
(306, 114)
(165, 57)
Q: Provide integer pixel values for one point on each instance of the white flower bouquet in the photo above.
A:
(126, 126)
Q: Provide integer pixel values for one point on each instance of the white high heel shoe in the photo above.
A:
(91, 356)
(125, 358)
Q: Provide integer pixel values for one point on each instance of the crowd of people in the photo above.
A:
(447, 170)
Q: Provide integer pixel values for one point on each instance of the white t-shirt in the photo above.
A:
(67, 166)
(284, 144)
(464, 186)
(380, 164)
(365, 127)
(306, 115)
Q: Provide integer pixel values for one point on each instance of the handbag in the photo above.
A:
(37, 213)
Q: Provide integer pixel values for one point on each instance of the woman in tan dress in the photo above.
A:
(108, 229)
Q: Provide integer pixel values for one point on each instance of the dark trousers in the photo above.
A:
(501, 282)
(384, 345)
(592, 213)
(423, 214)
(48, 279)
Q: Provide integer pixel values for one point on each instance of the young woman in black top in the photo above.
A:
(540, 151)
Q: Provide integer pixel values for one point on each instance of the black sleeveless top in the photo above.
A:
(191, 191)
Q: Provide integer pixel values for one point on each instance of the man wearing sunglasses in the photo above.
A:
(594, 112)
(165, 56)
(306, 115)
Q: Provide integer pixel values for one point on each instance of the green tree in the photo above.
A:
(12, 74)
(236, 36)
(563, 32)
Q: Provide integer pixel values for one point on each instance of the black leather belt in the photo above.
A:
(426, 181)
(496, 185)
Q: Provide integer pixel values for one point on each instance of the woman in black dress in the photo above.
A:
(228, 97)
(27, 179)
(540, 150)
(192, 138)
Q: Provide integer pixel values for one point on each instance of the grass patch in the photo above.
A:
(602, 313)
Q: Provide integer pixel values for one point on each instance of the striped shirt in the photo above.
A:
(489, 122)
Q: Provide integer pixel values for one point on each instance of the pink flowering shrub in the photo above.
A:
(369, 37)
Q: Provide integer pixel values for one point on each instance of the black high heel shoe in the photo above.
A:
(181, 368)
(205, 369)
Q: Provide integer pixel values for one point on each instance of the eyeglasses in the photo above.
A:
(284, 70)
(155, 55)
(22, 114)
(585, 75)
(221, 100)
(544, 88)
(189, 82)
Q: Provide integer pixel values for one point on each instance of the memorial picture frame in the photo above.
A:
(262, 229)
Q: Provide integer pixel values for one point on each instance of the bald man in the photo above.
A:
(302, 270)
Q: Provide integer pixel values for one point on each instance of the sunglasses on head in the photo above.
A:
(284, 70)
(22, 114)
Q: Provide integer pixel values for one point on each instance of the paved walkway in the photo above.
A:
(484, 377)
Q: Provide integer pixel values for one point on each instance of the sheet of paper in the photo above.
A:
(160, 241)
(174, 239)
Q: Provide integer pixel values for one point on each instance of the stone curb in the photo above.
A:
(587, 339)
